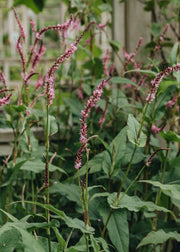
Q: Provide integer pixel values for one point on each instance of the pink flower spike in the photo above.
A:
(156, 130)
(83, 127)
(153, 154)
(5, 100)
(58, 27)
(102, 119)
(157, 80)
(23, 34)
(33, 26)
(101, 26)
(28, 112)
(105, 60)
(3, 78)
(80, 93)
(20, 52)
(172, 102)
(76, 24)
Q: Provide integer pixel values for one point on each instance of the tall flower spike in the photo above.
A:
(18, 44)
(5, 100)
(23, 34)
(155, 83)
(154, 153)
(102, 119)
(3, 78)
(172, 102)
(59, 27)
(83, 127)
(50, 76)
(105, 60)
(37, 56)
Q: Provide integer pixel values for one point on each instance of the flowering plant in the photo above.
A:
(104, 176)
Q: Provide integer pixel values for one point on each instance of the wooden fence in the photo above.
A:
(130, 22)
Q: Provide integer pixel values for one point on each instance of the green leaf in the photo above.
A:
(138, 157)
(142, 71)
(120, 80)
(117, 228)
(70, 191)
(165, 84)
(133, 203)
(38, 166)
(61, 241)
(159, 237)
(105, 7)
(78, 224)
(52, 127)
(156, 29)
(35, 5)
(79, 247)
(149, 5)
(19, 108)
(94, 243)
(9, 240)
(116, 45)
(99, 195)
(132, 132)
(103, 243)
(11, 217)
(43, 241)
(176, 74)
(95, 163)
(170, 136)
(73, 223)
(74, 105)
(174, 53)
(28, 240)
(173, 191)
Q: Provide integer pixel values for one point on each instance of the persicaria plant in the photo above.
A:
(104, 173)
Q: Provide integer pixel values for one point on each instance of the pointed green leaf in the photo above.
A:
(132, 132)
(173, 191)
(9, 240)
(121, 80)
(142, 71)
(133, 203)
(61, 241)
(38, 166)
(94, 244)
(165, 84)
(70, 191)
(36, 6)
(170, 136)
(174, 53)
(117, 228)
(103, 243)
(159, 237)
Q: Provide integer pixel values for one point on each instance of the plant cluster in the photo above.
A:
(105, 174)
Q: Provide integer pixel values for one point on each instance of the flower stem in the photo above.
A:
(47, 176)
(129, 166)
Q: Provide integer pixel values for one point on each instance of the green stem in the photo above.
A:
(158, 196)
(80, 191)
(86, 196)
(87, 242)
(129, 166)
(47, 176)
(107, 221)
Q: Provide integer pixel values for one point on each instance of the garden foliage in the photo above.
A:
(105, 175)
